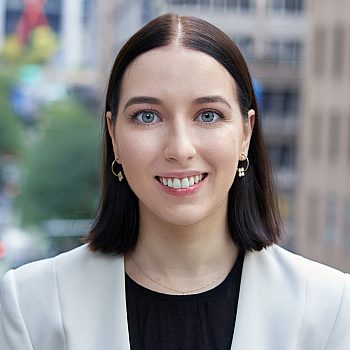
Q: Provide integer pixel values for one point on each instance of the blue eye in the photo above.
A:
(209, 117)
(146, 117)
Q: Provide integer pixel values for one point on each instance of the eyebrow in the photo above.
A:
(142, 99)
(212, 99)
(157, 101)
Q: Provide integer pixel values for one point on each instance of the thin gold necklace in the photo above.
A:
(183, 292)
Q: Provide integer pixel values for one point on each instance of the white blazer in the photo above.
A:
(76, 301)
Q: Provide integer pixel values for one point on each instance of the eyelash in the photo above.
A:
(219, 114)
(135, 114)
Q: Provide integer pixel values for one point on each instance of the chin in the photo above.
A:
(183, 218)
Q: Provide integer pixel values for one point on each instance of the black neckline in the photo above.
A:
(234, 274)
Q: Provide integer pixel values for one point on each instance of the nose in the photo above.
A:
(180, 143)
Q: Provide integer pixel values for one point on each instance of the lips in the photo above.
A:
(179, 183)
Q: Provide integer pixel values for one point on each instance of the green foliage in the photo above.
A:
(62, 166)
(42, 46)
(10, 137)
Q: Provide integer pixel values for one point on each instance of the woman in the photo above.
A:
(183, 254)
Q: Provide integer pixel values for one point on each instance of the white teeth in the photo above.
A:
(181, 183)
(185, 183)
(176, 183)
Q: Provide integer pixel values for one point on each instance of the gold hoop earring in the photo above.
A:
(242, 170)
(120, 174)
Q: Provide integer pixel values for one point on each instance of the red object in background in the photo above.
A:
(2, 250)
(33, 16)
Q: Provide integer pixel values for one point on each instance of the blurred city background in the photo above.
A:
(55, 57)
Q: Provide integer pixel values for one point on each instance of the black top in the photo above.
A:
(183, 322)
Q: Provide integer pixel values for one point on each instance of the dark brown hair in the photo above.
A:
(253, 216)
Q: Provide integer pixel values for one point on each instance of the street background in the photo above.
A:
(55, 56)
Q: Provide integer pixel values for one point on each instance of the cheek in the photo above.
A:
(223, 149)
(136, 149)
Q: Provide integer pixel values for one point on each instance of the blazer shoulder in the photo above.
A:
(75, 265)
(39, 300)
(43, 268)
(321, 281)
(30, 307)
(326, 299)
(299, 263)
(340, 335)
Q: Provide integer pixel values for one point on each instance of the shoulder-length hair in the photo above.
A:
(253, 217)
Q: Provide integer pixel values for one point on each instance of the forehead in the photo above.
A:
(177, 71)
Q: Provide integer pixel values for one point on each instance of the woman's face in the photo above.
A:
(179, 135)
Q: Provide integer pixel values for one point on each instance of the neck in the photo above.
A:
(181, 256)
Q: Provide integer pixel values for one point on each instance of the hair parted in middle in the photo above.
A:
(253, 216)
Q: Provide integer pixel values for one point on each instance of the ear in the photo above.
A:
(248, 127)
(111, 129)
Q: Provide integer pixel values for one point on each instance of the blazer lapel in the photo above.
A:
(93, 301)
(270, 306)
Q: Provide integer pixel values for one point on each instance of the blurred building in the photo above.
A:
(324, 205)
(115, 22)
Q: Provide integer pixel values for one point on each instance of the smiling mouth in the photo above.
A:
(179, 183)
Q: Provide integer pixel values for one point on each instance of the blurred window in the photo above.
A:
(347, 223)
(177, 2)
(14, 4)
(243, 5)
(87, 9)
(290, 102)
(286, 6)
(348, 138)
(282, 156)
(246, 45)
(319, 51)
(191, 2)
(293, 5)
(232, 3)
(330, 224)
(280, 102)
(267, 102)
(338, 51)
(246, 4)
(316, 135)
(274, 154)
(219, 3)
(11, 19)
(271, 102)
(284, 51)
(287, 157)
(313, 208)
(334, 137)
(53, 6)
